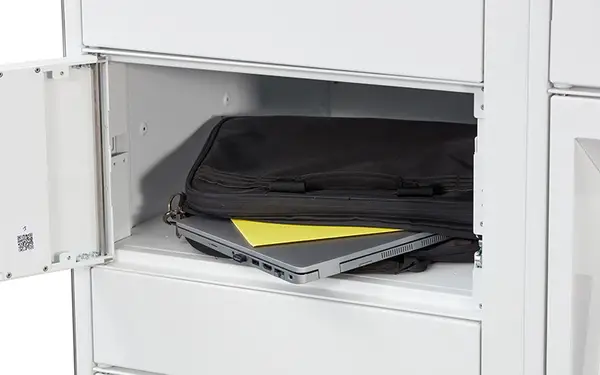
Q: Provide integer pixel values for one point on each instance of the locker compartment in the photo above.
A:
(434, 39)
(154, 114)
(140, 127)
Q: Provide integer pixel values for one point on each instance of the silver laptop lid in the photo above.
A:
(300, 257)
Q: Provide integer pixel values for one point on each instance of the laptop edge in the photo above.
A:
(301, 275)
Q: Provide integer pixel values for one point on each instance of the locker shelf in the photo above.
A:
(443, 290)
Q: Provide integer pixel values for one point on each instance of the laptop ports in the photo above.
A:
(267, 267)
(279, 273)
(255, 262)
(240, 258)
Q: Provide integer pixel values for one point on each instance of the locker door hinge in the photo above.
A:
(69, 260)
(478, 275)
(479, 106)
(59, 72)
(63, 71)
(479, 256)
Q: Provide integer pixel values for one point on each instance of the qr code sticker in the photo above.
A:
(25, 242)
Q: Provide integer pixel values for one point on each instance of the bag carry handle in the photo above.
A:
(404, 189)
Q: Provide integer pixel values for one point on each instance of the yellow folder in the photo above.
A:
(263, 234)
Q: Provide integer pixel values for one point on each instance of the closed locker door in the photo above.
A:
(574, 222)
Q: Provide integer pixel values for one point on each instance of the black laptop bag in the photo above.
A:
(337, 171)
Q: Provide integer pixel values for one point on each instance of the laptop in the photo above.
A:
(302, 262)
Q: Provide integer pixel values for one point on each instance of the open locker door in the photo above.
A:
(573, 248)
(51, 168)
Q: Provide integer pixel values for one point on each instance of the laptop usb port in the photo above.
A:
(279, 273)
(267, 267)
(255, 262)
(240, 258)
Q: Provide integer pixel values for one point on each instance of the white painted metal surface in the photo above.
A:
(166, 108)
(72, 28)
(433, 38)
(516, 105)
(179, 327)
(575, 37)
(120, 181)
(73, 163)
(576, 91)
(22, 96)
(479, 179)
(573, 264)
(158, 59)
(115, 107)
(444, 290)
(352, 100)
(49, 163)
(536, 227)
(82, 321)
(479, 164)
(113, 370)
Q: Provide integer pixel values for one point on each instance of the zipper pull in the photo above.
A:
(174, 209)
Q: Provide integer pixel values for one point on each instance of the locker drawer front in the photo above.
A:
(179, 327)
(573, 257)
(434, 38)
(575, 53)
